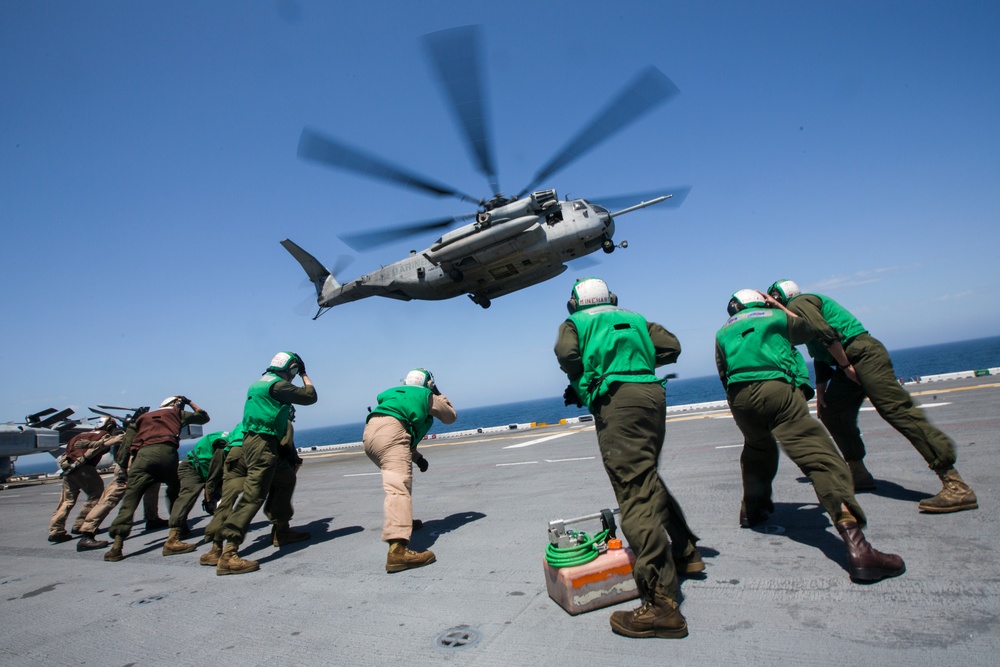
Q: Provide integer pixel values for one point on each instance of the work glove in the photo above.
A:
(421, 462)
(184, 400)
(209, 506)
(302, 366)
(570, 397)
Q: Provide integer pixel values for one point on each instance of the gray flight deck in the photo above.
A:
(775, 596)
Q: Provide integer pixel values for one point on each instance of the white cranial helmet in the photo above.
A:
(169, 400)
(784, 290)
(419, 377)
(744, 298)
(286, 362)
(590, 292)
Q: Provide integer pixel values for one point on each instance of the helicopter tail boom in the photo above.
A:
(318, 274)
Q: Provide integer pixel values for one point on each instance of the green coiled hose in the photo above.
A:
(584, 552)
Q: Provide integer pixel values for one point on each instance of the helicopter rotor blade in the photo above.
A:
(619, 201)
(326, 150)
(366, 240)
(116, 407)
(343, 261)
(647, 90)
(455, 55)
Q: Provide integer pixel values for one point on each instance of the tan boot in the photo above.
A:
(212, 557)
(115, 554)
(659, 617)
(174, 546)
(955, 495)
(230, 562)
(863, 480)
(400, 558)
(282, 534)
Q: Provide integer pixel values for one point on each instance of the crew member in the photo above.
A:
(193, 473)
(754, 356)
(115, 491)
(265, 421)
(79, 464)
(229, 477)
(154, 459)
(851, 365)
(278, 506)
(393, 430)
(610, 355)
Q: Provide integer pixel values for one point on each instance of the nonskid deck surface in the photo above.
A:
(779, 595)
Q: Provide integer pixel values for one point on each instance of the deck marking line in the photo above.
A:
(539, 440)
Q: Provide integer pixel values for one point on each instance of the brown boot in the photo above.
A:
(282, 534)
(749, 519)
(659, 617)
(212, 557)
(174, 546)
(955, 495)
(864, 563)
(231, 563)
(400, 558)
(87, 542)
(156, 523)
(863, 480)
(690, 563)
(114, 554)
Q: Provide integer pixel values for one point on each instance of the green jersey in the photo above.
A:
(262, 412)
(753, 346)
(411, 406)
(844, 325)
(614, 347)
(201, 454)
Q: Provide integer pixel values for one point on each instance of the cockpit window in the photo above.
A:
(579, 205)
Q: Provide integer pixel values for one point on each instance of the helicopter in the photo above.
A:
(45, 431)
(508, 243)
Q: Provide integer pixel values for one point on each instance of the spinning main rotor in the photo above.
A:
(455, 56)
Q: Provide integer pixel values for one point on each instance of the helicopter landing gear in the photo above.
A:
(608, 246)
(456, 275)
(483, 301)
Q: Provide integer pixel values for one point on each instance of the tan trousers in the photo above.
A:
(86, 479)
(387, 444)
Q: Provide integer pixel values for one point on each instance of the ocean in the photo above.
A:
(910, 364)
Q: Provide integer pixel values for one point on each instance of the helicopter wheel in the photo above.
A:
(608, 246)
(483, 301)
(456, 275)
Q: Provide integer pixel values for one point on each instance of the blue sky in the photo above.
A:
(148, 171)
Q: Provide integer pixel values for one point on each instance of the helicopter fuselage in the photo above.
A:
(522, 243)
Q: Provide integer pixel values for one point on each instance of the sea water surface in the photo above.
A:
(910, 364)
